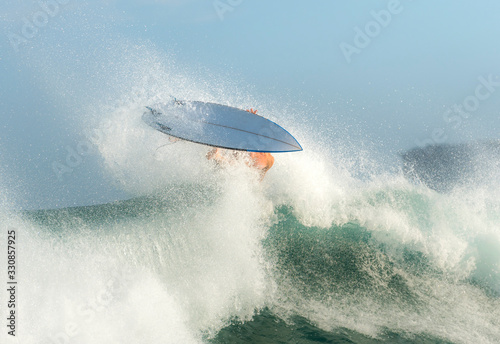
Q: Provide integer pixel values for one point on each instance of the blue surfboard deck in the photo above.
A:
(219, 126)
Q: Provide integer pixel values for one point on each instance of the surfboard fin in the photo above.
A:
(153, 111)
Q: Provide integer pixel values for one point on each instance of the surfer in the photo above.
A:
(260, 161)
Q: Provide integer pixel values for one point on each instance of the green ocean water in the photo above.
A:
(194, 269)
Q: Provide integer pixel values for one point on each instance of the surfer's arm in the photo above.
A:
(211, 153)
(261, 161)
(215, 154)
(269, 164)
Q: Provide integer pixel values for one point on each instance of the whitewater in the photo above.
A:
(331, 246)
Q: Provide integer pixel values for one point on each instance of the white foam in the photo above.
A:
(182, 276)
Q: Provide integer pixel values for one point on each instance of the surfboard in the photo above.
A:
(220, 126)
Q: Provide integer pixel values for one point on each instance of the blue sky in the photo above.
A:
(427, 57)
